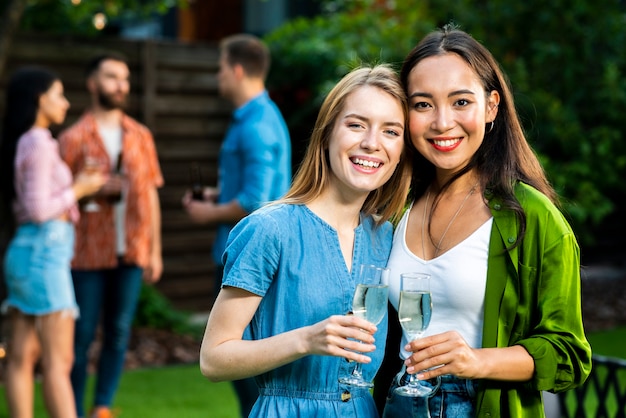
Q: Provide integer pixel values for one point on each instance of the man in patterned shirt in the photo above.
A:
(119, 241)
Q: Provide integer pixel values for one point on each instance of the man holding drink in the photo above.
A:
(118, 241)
(255, 157)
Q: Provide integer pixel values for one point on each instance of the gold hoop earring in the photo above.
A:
(490, 127)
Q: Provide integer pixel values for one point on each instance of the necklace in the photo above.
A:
(438, 246)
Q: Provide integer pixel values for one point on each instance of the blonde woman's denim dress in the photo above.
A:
(292, 258)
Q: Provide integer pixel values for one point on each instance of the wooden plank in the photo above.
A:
(50, 48)
(187, 81)
(194, 56)
(188, 288)
(187, 150)
(177, 221)
(194, 303)
(187, 242)
(189, 265)
(177, 125)
(173, 90)
(203, 105)
(177, 173)
(148, 60)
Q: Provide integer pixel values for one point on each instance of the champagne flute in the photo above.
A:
(370, 303)
(414, 312)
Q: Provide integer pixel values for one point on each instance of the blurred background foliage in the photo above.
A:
(565, 60)
(88, 17)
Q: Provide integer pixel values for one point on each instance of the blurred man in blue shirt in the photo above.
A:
(255, 158)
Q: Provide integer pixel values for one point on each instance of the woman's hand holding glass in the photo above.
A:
(88, 182)
(414, 312)
(369, 303)
(448, 353)
(93, 166)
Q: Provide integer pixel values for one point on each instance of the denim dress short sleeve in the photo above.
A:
(292, 258)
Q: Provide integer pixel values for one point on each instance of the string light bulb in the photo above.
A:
(99, 21)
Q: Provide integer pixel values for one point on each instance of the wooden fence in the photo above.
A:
(174, 92)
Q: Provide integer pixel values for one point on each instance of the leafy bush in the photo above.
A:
(155, 311)
(564, 59)
(63, 16)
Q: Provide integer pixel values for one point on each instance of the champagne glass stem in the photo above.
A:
(413, 381)
(357, 372)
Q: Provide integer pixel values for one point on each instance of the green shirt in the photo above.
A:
(533, 300)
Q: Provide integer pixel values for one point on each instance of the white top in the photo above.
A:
(457, 284)
(112, 138)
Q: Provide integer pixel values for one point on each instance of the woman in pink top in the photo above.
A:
(39, 187)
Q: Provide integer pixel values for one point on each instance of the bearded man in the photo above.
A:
(118, 244)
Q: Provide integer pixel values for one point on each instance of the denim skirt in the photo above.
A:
(37, 269)
(451, 398)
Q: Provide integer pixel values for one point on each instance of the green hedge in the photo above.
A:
(565, 61)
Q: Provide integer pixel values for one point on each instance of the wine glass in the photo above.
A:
(92, 165)
(414, 312)
(370, 303)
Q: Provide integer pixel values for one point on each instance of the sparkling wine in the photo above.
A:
(370, 302)
(414, 312)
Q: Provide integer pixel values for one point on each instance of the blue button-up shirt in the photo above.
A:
(254, 161)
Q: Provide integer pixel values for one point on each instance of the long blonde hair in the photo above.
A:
(313, 175)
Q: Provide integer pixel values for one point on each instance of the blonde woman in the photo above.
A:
(291, 267)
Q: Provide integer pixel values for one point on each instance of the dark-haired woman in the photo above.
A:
(484, 223)
(42, 194)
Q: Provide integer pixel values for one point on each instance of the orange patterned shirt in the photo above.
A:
(95, 233)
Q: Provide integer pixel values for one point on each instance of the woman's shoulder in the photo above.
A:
(273, 216)
(538, 207)
(276, 211)
(36, 139)
(532, 199)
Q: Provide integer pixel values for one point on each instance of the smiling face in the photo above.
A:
(366, 141)
(52, 106)
(448, 111)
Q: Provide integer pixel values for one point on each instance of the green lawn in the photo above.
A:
(166, 392)
(182, 392)
(611, 343)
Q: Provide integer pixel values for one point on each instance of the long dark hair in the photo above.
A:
(504, 157)
(24, 89)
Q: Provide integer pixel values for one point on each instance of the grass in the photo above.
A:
(610, 343)
(182, 392)
(164, 392)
